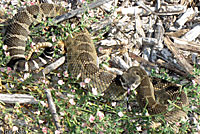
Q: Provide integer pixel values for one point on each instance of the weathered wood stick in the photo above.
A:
(73, 13)
(180, 58)
(161, 64)
(18, 98)
(172, 67)
(52, 109)
(112, 70)
(192, 34)
(54, 65)
(186, 45)
(118, 61)
(168, 10)
(140, 59)
(177, 33)
(188, 15)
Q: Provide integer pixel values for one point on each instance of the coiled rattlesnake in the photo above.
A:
(17, 32)
(82, 59)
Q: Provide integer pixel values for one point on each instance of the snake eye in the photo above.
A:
(123, 80)
(137, 73)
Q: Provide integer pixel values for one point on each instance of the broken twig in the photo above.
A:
(52, 109)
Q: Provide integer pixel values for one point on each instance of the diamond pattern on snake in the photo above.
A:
(82, 59)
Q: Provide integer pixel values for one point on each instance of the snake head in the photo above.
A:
(131, 78)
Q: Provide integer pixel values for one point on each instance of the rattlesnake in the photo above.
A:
(82, 59)
(17, 32)
(155, 97)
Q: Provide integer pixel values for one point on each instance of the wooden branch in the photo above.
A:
(47, 69)
(73, 13)
(180, 58)
(17, 98)
(172, 67)
(177, 33)
(118, 61)
(159, 31)
(187, 16)
(192, 34)
(141, 60)
(54, 65)
(159, 63)
(100, 25)
(52, 109)
(186, 45)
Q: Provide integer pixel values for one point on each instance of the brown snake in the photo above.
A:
(82, 59)
(155, 97)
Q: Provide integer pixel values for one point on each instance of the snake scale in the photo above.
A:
(17, 32)
(82, 59)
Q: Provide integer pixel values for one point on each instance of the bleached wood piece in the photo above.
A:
(168, 9)
(188, 15)
(52, 109)
(147, 8)
(158, 5)
(177, 33)
(127, 59)
(100, 25)
(149, 41)
(186, 45)
(18, 98)
(141, 60)
(180, 58)
(159, 31)
(72, 13)
(130, 10)
(192, 34)
(54, 65)
(118, 61)
(108, 42)
(138, 25)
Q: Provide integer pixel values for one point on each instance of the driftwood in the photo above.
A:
(186, 45)
(158, 63)
(54, 65)
(188, 15)
(180, 58)
(118, 61)
(73, 13)
(177, 33)
(192, 34)
(52, 109)
(17, 98)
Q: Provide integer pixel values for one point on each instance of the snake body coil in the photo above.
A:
(82, 60)
(17, 32)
